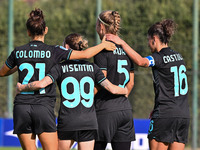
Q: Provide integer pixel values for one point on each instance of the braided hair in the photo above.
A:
(111, 20)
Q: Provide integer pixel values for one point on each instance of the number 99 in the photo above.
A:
(78, 92)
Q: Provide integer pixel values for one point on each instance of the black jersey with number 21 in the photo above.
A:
(34, 60)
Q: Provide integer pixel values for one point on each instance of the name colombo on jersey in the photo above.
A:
(33, 54)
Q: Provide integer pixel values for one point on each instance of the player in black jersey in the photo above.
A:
(34, 111)
(170, 118)
(114, 112)
(75, 79)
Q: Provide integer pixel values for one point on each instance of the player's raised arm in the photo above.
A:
(36, 85)
(137, 58)
(92, 51)
(114, 89)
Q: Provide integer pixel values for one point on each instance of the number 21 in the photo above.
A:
(30, 73)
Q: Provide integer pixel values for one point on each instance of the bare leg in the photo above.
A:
(49, 140)
(176, 145)
(88, 145)
(27, 141)
(65, 144)
(154, 145)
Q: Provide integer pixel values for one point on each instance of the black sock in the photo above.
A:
(121, 145)
(100, 145)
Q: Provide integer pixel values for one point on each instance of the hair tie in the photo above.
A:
(103, 21)
(79, 44)
(113, 13)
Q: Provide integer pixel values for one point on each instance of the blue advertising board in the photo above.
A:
(8, 139)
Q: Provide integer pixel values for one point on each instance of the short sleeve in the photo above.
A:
(99, 76)
(11, 61)
(54, 73)
(62, 53)
(101, 61)
(155, 60)
(132, 66)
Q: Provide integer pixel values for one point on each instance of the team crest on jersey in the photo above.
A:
(33, 45)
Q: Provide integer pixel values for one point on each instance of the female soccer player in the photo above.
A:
(114, 112)
(170, 118)
(75, 79)
(34, 111)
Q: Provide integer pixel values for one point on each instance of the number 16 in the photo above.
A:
(179, 77)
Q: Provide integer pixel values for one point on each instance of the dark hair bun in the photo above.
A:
(76, 41)
(164, 30)
(35, 23)
(36, 14)
(83, 44)
(169, 27)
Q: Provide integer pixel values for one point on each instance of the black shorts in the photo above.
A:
(116, 127)
(78, 136)
(169, 130)
(33, 119)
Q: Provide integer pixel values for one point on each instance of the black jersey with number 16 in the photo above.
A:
(170, 84)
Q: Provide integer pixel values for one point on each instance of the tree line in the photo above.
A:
(65, 16)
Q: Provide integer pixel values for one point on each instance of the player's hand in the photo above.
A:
(126, 95)
(108, 45)
(116, 39)
(18, 89)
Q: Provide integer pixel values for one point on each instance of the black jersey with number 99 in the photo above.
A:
(76, 80)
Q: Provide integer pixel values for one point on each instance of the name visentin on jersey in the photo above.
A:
(33, 54)
(172, 58)
(77, 67)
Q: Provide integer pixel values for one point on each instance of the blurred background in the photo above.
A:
(66, 16)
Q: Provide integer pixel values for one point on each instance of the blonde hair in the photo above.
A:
(111, 20)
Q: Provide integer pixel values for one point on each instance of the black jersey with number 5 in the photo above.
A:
(170, 84)
(76, 80)
(34, 60)
(118, 66)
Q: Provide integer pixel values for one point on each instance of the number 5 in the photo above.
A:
(120, 69)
